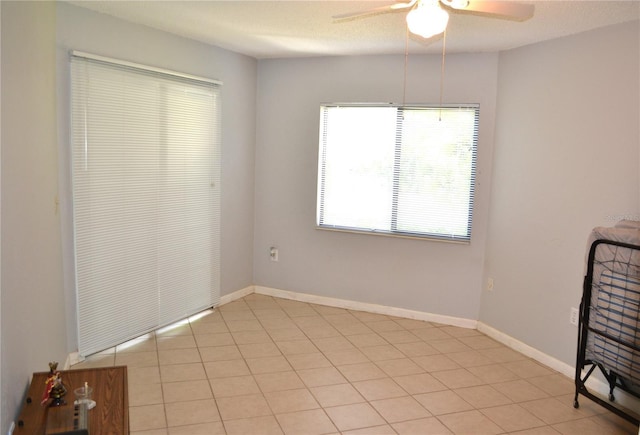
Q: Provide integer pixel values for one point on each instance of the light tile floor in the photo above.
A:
(263, 365)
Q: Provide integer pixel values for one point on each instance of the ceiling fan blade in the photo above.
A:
(502, 9)
(375, 11)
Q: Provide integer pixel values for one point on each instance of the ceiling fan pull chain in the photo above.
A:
(444, 45)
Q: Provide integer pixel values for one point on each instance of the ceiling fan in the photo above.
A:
(428, 18)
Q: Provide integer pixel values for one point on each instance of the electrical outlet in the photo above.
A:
(573, 316)
(273, 253)
(490, 284)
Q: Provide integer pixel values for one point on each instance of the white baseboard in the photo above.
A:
(238, 294)
(369, 308)
(72, 359)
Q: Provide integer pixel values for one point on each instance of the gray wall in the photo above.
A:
(566, 160)
(430, 276)
(33, 309)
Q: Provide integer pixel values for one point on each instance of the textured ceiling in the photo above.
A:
(275, 29)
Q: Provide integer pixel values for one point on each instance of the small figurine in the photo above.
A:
(54, 389)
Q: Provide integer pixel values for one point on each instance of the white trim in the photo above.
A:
(72, 359)
(238, 294)
(125, 63)
(370, 308)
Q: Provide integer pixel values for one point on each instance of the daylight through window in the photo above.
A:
(398, 170)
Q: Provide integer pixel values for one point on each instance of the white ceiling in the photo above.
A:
(277, 29)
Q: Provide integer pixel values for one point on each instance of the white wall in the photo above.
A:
(421, 275)
(33, 311)
(84, 30)
(566, 160)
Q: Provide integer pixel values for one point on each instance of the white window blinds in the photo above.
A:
(398, 170)
(146, 198)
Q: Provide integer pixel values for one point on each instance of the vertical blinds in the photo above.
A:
(146, 198)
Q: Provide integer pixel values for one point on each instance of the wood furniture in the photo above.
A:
(110, 415)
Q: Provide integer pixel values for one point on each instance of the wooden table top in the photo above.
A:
(110, 415)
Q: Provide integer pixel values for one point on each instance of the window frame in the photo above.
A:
(393, 231)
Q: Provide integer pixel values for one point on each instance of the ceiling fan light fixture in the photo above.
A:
(427, 19)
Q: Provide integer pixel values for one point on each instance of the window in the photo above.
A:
(398, 170)
(145, 160)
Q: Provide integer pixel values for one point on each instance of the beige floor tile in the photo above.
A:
(543, 430)
(480, 342)
(449, 345)
(202, 327)
(215, 428)
(269, 364)
(471, 358)
(186, 390)
(493, 373)
(308, 361)
(502, 354)
(221, 369)
(431, 426)
(615, 424)
(361, 372)
(291, 401)
(146, 417)
(377, 389)
(436, 363)
(219, 339)
(219, 353)
(237, 305)
(382, 353)
(348, 329)
(420, 383)
(482, 396)
(555, 384)
(376, 430)
(335, 395)
(443, 402)
(326, 344)
(251, 337)
(400, 367)
(528, 368)
(137, 359)
(344, 318)
(234, 386)
(143, 375)
(145, 394)
(551, 410)
(385, 325)
(182, 372)
(281, 381)
(179, 356)
(321, 376)
(343, 357)
(416, 349)
(400, 337)
(266, 425)
(311, 422)
(363, 316)
(179, 328)
(176, 342)
(244, 325)
(259, 350)
(367, 340)
(238, 315)
(286, 333)
(430, 334)
(96, 361)
(354, 416)
(146, 343)
(400, 409)
(512, 417)
(268, 313)
(232, 408)
(470, 422)
(315, 332)
(411, 324)
(520, 390)
(192, 412)
(583, 426)
(163, 431)
(458, 378)
(456, 331)
(296, 347)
